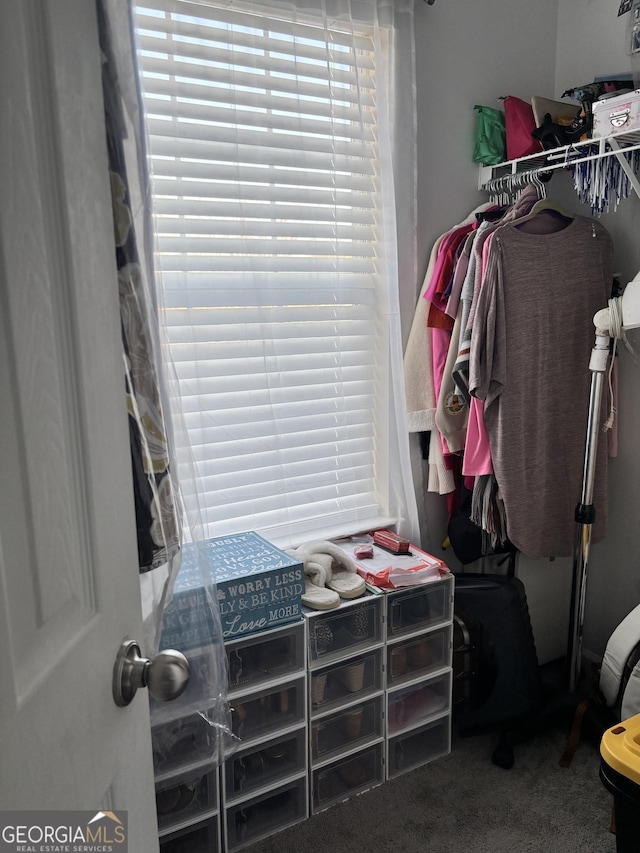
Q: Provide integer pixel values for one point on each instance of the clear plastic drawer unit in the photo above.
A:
(346, 681)
(419, 656)
(181, 798)
(265, 814)
(344, 730)
(346, 777)
(355, 626)
(409, 706)
(418, 608)
(266, 712)
(418, 746)
(265, 657)
(202, 837)
(265, 765)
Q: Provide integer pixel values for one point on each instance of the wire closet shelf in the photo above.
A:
(505, 179)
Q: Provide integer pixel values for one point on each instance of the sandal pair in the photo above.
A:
(329, 575)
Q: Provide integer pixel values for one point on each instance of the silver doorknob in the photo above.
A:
(166, 676)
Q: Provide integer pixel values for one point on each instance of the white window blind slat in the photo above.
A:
(251, 191)
(267, 205)
(189, 62)
(297, 498)
(235, 455)
(218, 151)
(201, 19)
(173, 77)
(251, 318)
(313, 459)
(206, 338)
(252, 119)
(190, 132)
(222, 245)
(169, 226)
(313, 395)
(262, 263)
(257, 481)
(232, 210)
(210, 170)
(189, 290)
(301, 512)
(170, 96)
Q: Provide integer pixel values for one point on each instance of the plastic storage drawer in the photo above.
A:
(185, 796)
(265, 765)
(346, 681)
(418, 746)
(195, 694)
(254, 660)
(410, 706)
(201, 838)
(346, 777)
(354, 626)
(346, 729)
(182, 743)
(419, 656)
(266, 814)
(419, 608)
(269, 711)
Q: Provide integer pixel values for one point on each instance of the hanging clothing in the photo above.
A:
(530, 349)
(473, 281)
(452, 410)
(441, 279)
(418, 373)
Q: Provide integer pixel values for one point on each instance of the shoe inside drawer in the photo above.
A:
(410, 659)
(420, 607)
(353, 626)
(182, 742)
(186, 795)
(358, 677)
(346, 729)
(256, 659)
(347, 777)
(265, 814)
(265, 764)
(410, 706)
(267, 711)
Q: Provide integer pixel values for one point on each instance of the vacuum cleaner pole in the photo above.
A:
(585, 511)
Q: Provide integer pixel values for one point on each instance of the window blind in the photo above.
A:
(267, 211)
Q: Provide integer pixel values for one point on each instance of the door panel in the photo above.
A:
(68, 558)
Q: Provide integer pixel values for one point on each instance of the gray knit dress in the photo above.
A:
(532, 337)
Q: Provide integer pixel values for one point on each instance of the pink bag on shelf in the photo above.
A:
(519, 124)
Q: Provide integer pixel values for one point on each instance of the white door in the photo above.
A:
(69, 590)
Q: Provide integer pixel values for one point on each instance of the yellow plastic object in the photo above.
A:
(620, 748)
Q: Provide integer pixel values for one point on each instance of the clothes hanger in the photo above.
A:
(543, 205)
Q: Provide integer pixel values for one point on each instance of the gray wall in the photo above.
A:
(470, 52)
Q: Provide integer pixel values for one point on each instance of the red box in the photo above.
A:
(390, 540)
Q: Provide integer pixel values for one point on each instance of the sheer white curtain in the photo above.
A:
(282, 140)
(197, 725)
